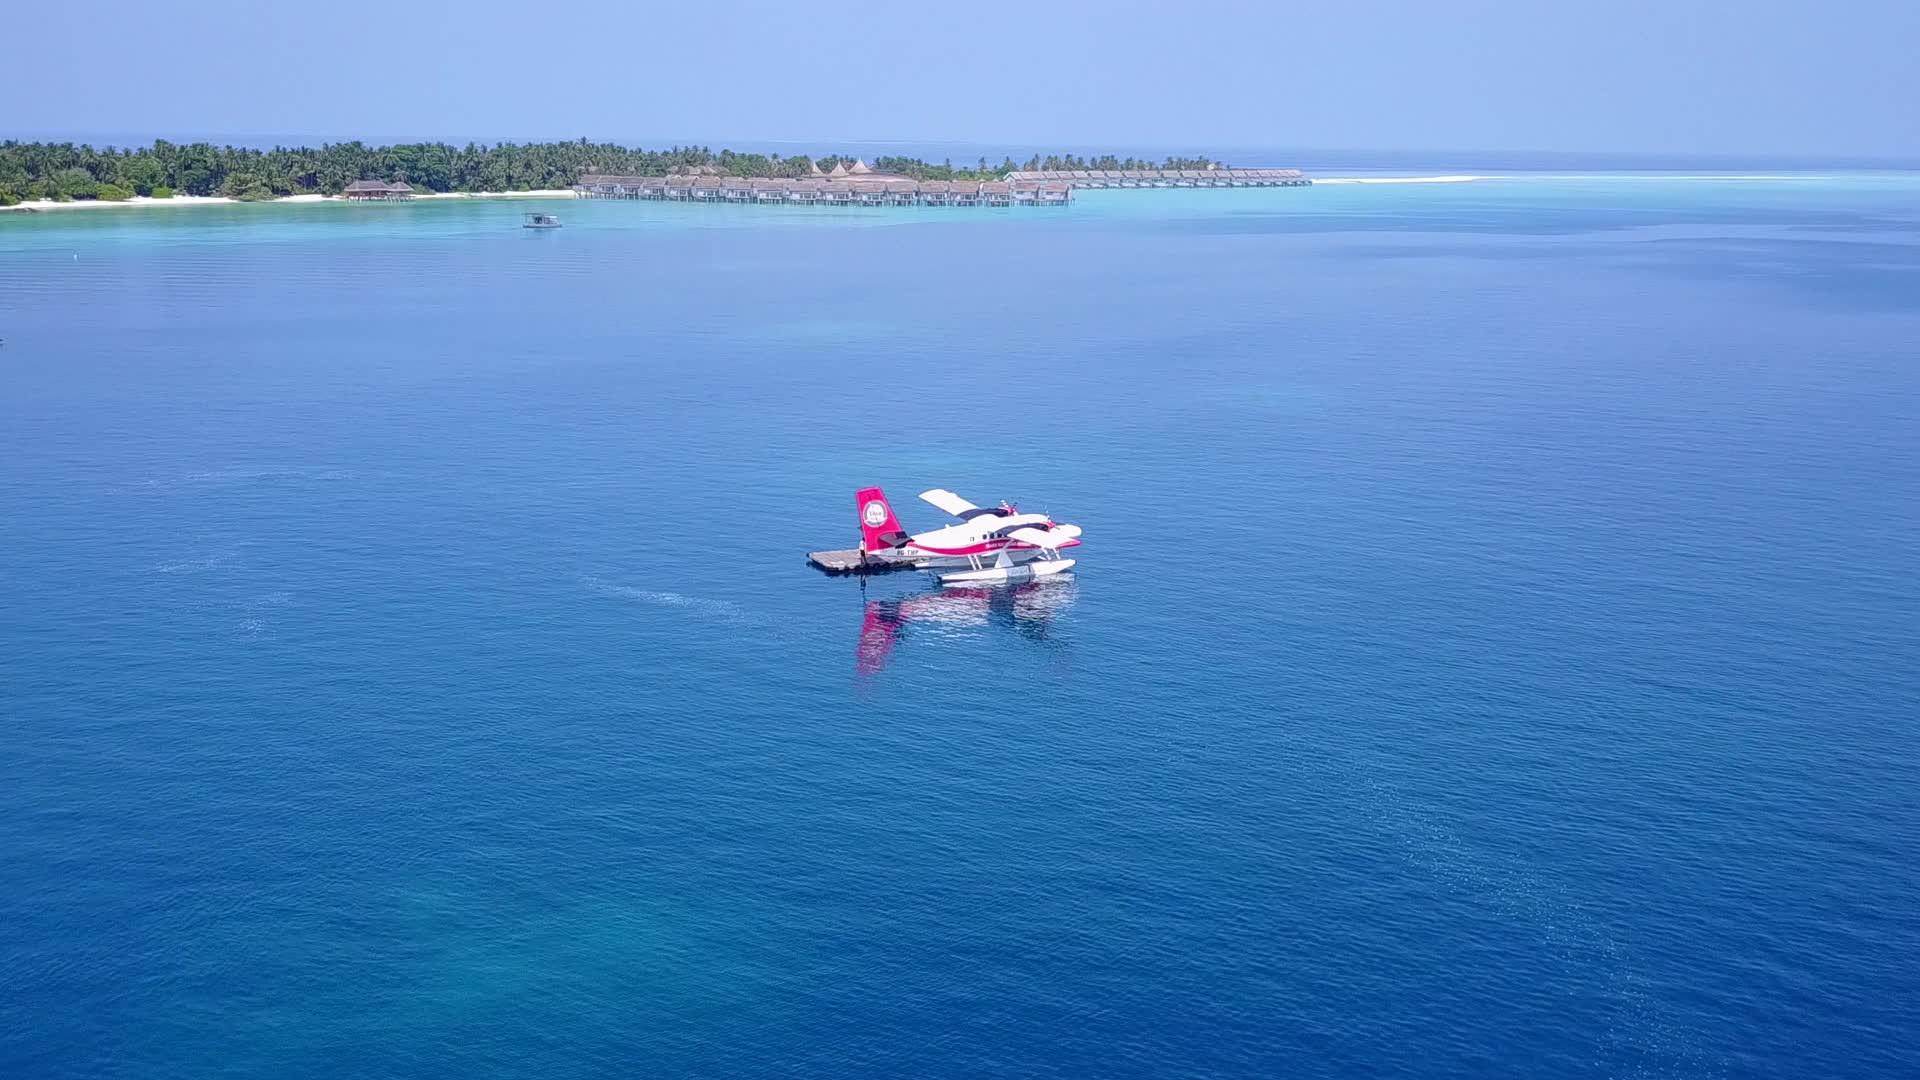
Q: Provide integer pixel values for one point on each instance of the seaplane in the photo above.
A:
(993, 545)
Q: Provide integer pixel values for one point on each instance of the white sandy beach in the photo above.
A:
(1563, 177)
(215, 200)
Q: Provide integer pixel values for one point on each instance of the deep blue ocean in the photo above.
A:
(1495, 651)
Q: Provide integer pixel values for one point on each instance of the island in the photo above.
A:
(56, 173)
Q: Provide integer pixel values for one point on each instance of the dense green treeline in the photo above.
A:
(64, 171)
(920, 170)
(1108, 161)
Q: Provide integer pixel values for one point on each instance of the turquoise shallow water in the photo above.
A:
(1493, 654)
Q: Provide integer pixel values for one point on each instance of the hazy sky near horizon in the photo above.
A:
(1785, 77)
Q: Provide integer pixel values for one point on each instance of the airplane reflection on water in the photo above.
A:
(1027, 609)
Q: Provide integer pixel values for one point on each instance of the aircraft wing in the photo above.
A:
(948, 501)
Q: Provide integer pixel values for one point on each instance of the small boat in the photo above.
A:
(541, 221)
(1004, 573)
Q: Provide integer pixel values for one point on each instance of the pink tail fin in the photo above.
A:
(879, 529)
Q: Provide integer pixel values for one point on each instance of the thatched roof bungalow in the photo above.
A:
(380, 190)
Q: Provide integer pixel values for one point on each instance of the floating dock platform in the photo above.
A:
(853, 561)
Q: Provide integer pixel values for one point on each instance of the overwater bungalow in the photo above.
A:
(1051, 187)
(378, 191)
(1135, 178)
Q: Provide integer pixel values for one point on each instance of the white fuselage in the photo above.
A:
(980, 540)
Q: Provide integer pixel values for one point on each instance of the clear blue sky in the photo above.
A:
(1765, 77)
